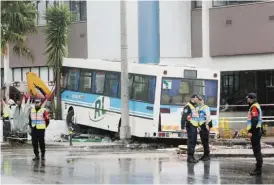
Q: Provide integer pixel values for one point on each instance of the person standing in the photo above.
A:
(38, 121)
(204, 128)
(254, 124)
(190, 120)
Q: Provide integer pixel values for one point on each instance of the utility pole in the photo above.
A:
(125, 131)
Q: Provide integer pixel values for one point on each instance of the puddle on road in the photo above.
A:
(127, 170)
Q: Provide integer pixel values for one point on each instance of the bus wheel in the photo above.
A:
(69, 118)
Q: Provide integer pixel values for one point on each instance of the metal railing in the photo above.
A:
(232, 124)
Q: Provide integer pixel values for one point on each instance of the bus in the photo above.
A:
(157, 95)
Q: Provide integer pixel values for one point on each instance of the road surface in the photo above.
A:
(64, 167)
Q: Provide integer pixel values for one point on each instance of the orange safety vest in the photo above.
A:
(249, 116)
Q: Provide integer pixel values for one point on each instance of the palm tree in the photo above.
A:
(59, 19)
(18, 20)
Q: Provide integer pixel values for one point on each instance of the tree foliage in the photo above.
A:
(18, 20)
(58, 22)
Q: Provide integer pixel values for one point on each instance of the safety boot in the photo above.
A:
(43, 157)
(256, 172)
(192, 160)
(205, 158)
(36, 158)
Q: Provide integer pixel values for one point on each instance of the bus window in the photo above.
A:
(130, 81)
(140, 88)
(99, 82)
(111, 84)
(73, 79)
(85, 81)
(178, 91)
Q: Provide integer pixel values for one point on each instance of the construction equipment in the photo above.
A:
(26, 93)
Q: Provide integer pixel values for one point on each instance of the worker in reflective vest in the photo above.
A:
(5, 109)
(38, 121)
(204, 128)
(254, 124)
(190, 120)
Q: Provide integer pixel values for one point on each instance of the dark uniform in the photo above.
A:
(38, 121)
(204, 113)
(190, 120)
(254, 124)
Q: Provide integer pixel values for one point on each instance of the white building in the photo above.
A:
(237, 39)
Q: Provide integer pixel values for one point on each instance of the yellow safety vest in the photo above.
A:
(37, 118)
(202, 114)
(6, 111)
(193, 117)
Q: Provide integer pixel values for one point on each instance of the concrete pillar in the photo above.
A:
(148, 32)
(206, 5)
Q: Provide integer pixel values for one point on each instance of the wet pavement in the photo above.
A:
(65, 167)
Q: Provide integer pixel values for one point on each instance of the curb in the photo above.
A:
(68, 147)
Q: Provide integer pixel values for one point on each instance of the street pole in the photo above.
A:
(125, 132)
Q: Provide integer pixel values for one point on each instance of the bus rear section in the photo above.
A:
(176, 93)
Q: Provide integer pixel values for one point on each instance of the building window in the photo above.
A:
(78, 10)
(217, 3)
(197, 4)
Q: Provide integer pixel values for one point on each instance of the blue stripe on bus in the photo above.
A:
(139, 108)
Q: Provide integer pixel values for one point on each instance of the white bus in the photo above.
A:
(157, 94)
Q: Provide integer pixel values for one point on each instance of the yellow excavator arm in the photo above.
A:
(34, 82)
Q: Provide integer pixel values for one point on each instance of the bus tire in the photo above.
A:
(70, 117)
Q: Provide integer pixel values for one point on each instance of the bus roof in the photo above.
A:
(146, 69)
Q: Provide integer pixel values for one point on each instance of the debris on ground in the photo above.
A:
(106, 140)
(182, 149)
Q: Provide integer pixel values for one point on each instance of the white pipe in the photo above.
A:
(245, 121)
(244, 117)
(247, 105)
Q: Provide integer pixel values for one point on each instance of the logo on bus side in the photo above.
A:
(100, 107)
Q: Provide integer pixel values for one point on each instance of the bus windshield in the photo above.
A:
(177, 91)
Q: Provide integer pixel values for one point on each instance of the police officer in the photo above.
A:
(190, 119)
(254, 123)
(38, 121)
(204, 120)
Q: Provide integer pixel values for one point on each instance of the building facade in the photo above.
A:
(236, 37)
